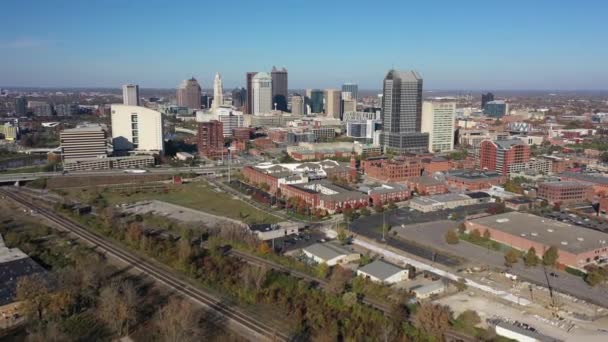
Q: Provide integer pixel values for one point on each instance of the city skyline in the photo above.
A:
(533, 46)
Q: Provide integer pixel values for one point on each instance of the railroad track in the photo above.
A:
(258, 328)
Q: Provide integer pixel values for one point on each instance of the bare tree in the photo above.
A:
(178, 321)
(117, 306)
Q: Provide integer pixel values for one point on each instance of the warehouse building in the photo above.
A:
(577, 246)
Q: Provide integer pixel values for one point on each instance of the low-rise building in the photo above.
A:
(381, 271)
(474, 180)
(428, 290)
(599, 182)
(441, 202)
(396, 170)
(325, 195)
(577, 246)
(267, 231)
(565, 192)
(92, 164)
(427, 185)
(544, 166)
(386, 192)
(330, 253)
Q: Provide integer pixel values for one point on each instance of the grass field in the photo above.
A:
(198, 195)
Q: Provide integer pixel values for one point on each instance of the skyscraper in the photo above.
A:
(402, 112)
(262, 93)
(189, 94)
(21, 106)
(130, 94)
(249, 77)
(438, 121)
(316, 101)
(279, 88)
(333, 103)
(297, 104)
(239, 98)
(485, 98)
(210, 139)
(218, 91)
(351, 88)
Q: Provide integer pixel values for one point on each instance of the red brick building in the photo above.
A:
(263, 143)
(500, 154)
(388, 192)
(324, 195)
(474, 180)
(565, 192)
(435, 164)
(427, 185)
(211, 139)
(278, 135)
(392, 171)
(241, 133)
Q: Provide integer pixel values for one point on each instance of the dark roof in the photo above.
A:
(11, 272)
(597, 179)
(478, 194)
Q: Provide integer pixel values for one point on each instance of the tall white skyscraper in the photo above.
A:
(218, 91)
(130, 94)
(438, 121)
(262, 93)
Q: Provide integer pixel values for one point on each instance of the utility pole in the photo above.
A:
(383, 226)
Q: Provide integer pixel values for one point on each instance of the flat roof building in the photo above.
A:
(383, 272)
(577, 246)
(330, 253)
(83, 142)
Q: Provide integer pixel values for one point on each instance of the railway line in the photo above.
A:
(259, 330)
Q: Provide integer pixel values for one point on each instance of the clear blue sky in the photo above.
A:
(466, 44)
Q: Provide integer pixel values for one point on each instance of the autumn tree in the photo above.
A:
(365, 212)
(486, 235)
(432, 319)
(531, 259)
(338, 279)
(475, 235)
(178, 321)
(451, 237)
(550, 257)
(117, 306)
(511, 257)
(184, 251)
(34, 294)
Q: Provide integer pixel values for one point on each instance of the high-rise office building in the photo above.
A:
(279, 88)
(402, 113)
(218, 91)
(239, 98)
(262, 93)
(438, 121)
(297, 104)
(137, 128)
(333, 103)
(351, 88)
(485, 98)
(189, 94)
(496, 109)
(249, 80)
(66, 109)
(21, 106)
(83, 142)
(130, 94)
(316, 101)
(40, 108)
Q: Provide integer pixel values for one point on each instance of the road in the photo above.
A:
(160, 273)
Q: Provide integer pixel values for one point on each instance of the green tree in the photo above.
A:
(451, 237)
(467, 321)
(342, 236)
(594, 277)
(392, 205)
(511, 257)
(550, 257)
(365, 211)
(378, 208)
(531, 259)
